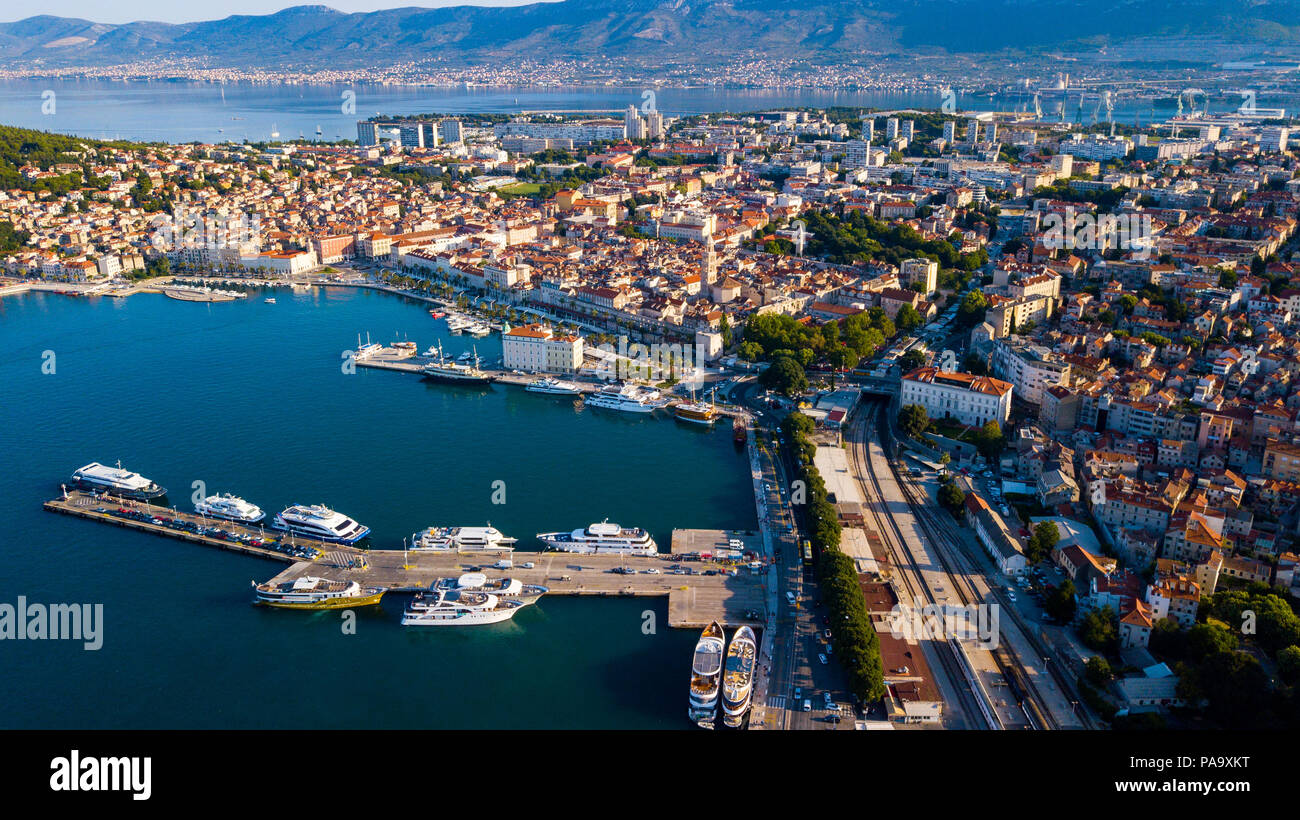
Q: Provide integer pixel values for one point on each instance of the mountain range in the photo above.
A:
(702, 31)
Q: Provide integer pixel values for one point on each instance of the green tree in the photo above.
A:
(989, 440)
(1099, 629)
(1042, 541)
(1097, 669)
(907, 319)
(913, 420)
(911, 360)
(785, 375)
(1288, 665)
(953, 498)
(1207, 639)
(972, 309)
(1061, 603)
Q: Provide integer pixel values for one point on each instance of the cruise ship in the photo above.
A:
(319, 521)
(462, 539)
(310, 592)
(706, 675)
(447, 371)
(553, 386)
(603, 538)
(738, 677)
(459, 607)
(116, 481)
(511, 588)
(231, 508)
(629, 398)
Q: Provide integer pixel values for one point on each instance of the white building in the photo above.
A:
(1031, 369)
(973, 400)
(538, 349)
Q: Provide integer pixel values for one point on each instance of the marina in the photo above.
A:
(699, 589)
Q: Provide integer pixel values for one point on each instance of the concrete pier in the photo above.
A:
(694, 599)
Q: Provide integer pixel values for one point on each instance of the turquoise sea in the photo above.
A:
(251, 398)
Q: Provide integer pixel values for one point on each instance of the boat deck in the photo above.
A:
(693, 600)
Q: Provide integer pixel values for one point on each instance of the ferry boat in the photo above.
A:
(319, 521)
(603, 538)
(629, 398)
(462, 539)
(447, 371)
(553, 386)
(696, 412)
(310, 592)
(116, 481)
(459, 607)
(706, 675)
(738, 677)
(231, 508)
(511, 588)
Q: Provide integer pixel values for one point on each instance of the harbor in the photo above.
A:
(702, 576)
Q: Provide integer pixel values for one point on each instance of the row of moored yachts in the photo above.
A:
(719, 678)
(320, 522)
(470, 600)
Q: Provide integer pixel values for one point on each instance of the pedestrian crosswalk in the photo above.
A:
(776, 701)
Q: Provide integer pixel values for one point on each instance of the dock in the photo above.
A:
(694, 599)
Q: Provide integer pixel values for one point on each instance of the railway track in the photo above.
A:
(956, 665)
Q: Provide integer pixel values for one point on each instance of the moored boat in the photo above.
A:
(706, 675)
(462, 539)
(602, 538)
(738, 677)
(310, 592)
(231, 508)
(116, 481)
(320, 522)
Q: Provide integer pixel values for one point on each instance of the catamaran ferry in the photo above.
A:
(231, 508)
(116, 481)
(738, 677)
(310, 592)
(458, 607)
(706, 675)
(319, 521)
(462, 539)
(602, 538)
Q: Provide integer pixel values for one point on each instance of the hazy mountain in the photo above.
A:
(683, 30)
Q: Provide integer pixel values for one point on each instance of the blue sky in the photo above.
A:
(169, 11)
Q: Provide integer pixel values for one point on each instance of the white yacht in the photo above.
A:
(319, 521)
(738, 677)
(230, 507)
(706, 675)
(554, 386)
(602, 538)
(116, 481)
(457, 607)
(629, 398)
(511, 588)
(462, 539)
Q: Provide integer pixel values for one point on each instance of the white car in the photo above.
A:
(652, 571)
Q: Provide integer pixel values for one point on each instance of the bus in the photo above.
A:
(807, 552)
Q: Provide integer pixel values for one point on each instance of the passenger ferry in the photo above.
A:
(706, 675)
(628, 398)
(462, 539)
(553, 386)
(511, 588)
(603, 538)
(319, 521)
(310, 592)
(459, 607)
(738, 677)
(116, 481)
(447, 371)
(231, 508)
